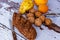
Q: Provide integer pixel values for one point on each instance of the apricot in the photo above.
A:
(43, 8)
(38, 2)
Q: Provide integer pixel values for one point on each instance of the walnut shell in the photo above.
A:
(48, 21)
(38, 22)
(32, 10)
(30, 15)
(42, 18)
(31, 19)
(38, 14)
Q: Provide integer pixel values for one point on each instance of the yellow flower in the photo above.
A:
(25, 6)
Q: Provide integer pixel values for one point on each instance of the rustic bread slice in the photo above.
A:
(24, 26)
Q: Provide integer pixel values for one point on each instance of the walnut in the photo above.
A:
(32, 10)
(38, 14)
(30, 15)
(42, 18)
(38, 22)
(31, 19)
(48, 21)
